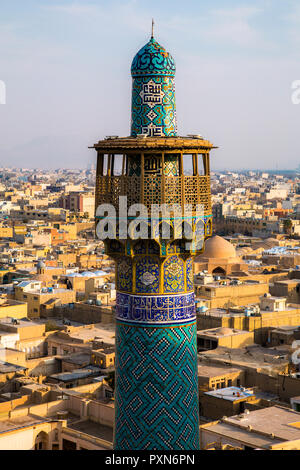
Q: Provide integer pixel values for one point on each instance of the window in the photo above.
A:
(117, 165)
(201, 171)
(54, 351)
(229, 383)
(105, 162)
(188, 168)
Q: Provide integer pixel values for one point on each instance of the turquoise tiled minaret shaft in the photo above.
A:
(156, 386)
(153, 92)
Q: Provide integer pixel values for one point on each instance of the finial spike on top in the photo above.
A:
(152, 29)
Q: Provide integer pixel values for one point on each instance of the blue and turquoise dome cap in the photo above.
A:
(151, 60)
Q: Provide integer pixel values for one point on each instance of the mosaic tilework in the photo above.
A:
(156, 388)
(134, 165)
(153, 109)
(174, 274)
(147, 275)
(171, 165)
(153, 59)
(189, 274)
(155, 309)
(124, 278)
(178, 246)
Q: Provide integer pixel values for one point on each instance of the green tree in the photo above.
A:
(288, 224)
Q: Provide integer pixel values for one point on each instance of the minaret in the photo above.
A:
(153, 110)
(156, 394)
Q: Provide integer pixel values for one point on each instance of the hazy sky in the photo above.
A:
(66, 66)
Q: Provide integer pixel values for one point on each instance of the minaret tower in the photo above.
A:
(156, 394)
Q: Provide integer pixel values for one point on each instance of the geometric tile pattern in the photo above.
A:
(124, 274)
(190, 274)
(153, 109)
(171, 165)
(156, 388)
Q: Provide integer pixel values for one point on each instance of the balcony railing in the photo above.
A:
(156, 189)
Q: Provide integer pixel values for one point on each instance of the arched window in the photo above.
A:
(41, 441)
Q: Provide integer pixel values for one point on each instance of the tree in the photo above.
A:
(288, 225)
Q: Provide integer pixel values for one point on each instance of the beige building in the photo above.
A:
(227, 401)
(289, 288)
(23, 335)
(273, 428)
(104, 357)
(224, 296)
(284, 335)
(261, 323)
(213, 377)
(219, 257)
(12, 308)
(80, 339)
(75, 423)
(36, 296)
(227, 337)
(79, 202)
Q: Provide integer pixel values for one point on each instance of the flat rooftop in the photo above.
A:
(213, 371)
(22, 323)
(93, 429)
(76, 374)
(221, 312)
(76, 358)
(10, 303)
(251, 439)
(230, 393)
(284, 423)
(99, 333)
(6, 367)
(253, 356)
(221, 332)
(8, 425)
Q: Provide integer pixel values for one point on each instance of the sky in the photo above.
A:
(66, 69)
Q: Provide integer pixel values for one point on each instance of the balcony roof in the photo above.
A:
(120, 144)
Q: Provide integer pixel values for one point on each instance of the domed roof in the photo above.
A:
(224, 331)
(153, 59)
(218, 247)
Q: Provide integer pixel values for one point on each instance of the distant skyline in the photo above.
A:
(66, 67)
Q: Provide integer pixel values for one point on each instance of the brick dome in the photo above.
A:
(218, 247)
